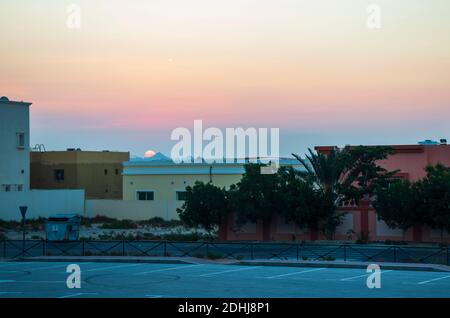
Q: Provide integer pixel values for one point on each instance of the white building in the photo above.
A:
(15, 170)
(14, 145)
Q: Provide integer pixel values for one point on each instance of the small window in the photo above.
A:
(117, 172)
(20, 140)
(181, 195)
(106, 172)
(7, 188)
(145, 195)
(59, 174)
(20, 187)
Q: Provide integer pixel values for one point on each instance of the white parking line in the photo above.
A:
(229, 271)
(47, 267)
(77, 294)
(6, 281)
(364, 275)
(109, 267)
(295, 273)
(433, 280)
(6, 293)
(167, 269)
(39, 281)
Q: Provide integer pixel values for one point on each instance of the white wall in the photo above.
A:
(14, 118)
(41, 203)
(131, 209)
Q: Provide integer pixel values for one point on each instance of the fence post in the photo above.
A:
(165, 248)
(345, 252)
(298, 253)
(395, 254)
(123, 247)
(448, 257)
(251, 251)
(82, 247)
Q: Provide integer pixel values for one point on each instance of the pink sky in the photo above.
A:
(135, 70)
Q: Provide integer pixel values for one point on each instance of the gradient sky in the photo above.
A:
(137, 69)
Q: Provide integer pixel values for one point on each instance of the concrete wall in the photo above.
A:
(133, 210)
(14, 161)
(41, 203)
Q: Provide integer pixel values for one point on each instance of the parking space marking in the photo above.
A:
(167, 269)
(77, 294)
(229, 271)
(433, 280)
(46, 267)
(6, 293)
(364, 275)
(295, 273)
(40, 281)
(109, 267)
(6, 281)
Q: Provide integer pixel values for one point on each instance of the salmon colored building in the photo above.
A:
(359, 220)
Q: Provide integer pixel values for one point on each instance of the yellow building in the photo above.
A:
(99, 173)
(162, 183)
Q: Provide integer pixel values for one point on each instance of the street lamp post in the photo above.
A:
(23, 212)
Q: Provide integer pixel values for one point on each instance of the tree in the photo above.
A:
(256, 197)
(397, 204)
(205, 206)
(434, 194)
(350, 174)
(303, 204)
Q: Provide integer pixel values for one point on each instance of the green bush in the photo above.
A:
(214, 256)
(160, 222)
(120, 225)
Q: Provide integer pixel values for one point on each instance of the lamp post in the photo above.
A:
(23, 212)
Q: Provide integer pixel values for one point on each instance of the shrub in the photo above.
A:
(120, 224)
(213, 256)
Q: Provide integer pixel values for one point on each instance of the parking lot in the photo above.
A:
(154, 280)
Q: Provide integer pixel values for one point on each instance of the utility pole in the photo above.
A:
(23, 212)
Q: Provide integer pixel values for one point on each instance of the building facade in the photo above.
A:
(14, 145)
(99, 173)
(161, 183)
(411, 160)
(15, 170)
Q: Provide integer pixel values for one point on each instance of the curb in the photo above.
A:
(358, 265)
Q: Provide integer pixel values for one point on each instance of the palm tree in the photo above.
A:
(343, 175)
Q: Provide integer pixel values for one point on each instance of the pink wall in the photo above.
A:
(410, 159)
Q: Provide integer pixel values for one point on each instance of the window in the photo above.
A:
(59, 174)
(20, 139)
(19, 187)
(117, 172)
(7, 188)
(106, 172)
(181, 195)
(145, 195)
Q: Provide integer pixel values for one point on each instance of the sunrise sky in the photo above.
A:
(137, 69)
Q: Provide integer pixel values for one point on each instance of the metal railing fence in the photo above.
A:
(231, 250)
